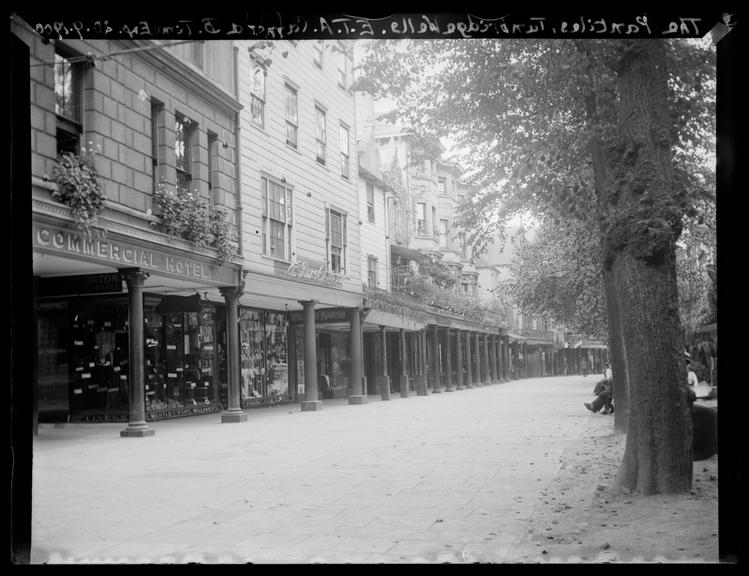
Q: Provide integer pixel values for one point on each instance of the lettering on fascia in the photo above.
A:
(110, 251)
(303, 270)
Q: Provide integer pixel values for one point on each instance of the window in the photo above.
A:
(292, 116)
(157, 118)
(344, 143)
(421, 219)
(68, 104)
(463, 246)
(317, 49)
(320, 134)
(372, 271)
(435, 230)
(277, 211)
(443, 233)
(341, 67)
(443, 185)
(336, 235)
(183, 130)
(370, 202)
(212, 160)
(257, 105)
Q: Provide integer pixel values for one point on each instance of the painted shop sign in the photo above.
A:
(113, 252)
(85, 284)
(322, 316)
(313, 271)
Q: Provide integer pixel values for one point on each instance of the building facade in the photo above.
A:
(130, 313)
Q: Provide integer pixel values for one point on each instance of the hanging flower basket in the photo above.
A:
(183, 215)
(79, 188)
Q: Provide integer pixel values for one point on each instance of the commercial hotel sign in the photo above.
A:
(121, 254)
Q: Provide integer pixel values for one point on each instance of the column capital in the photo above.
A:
(230, 293)
(307, 302)
(134, 277)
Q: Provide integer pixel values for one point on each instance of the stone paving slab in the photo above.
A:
(438, 478)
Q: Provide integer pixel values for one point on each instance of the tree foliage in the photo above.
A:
(557, 274)
(519, 111)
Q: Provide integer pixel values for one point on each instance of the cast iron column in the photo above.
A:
(310, 402)
(476, 360)
(492, 358)
(498, 356)
(404, 365)
(385, 386)
(495, 344)
(469, 360)
(486, 374)
(136, 427)
(422, 361)
(234, 413)
(436, 384)
(448, 362)
(506, 342)
(459, 361)
(291, 361)
(355, 371)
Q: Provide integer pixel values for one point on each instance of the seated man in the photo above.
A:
(603, 399)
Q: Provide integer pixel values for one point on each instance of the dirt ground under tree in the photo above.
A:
(574, 519)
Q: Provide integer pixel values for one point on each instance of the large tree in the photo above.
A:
(603, 132)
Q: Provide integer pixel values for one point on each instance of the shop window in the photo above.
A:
(98, 359)
(180, 355)
(68, 103)
(277, 218)
(264, 362)
(335, 225)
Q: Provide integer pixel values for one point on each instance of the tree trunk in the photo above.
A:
(658, 452)
(639, 247)
(618, 356)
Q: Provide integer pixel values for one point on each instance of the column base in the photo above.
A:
(385, 388)
(450, 390)
(436, 391)
(233, 416)
(357, 399)
(137, 431)
(461, 388)
(311, 405)
(469, 386)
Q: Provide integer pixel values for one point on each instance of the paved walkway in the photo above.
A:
(449, 477)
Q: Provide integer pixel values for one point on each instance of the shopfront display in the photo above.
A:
(264, 357)
(180, 357)
(83, 358)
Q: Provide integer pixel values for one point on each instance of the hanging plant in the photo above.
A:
(184, 216)
(79, 188)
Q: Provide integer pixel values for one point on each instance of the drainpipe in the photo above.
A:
(237, 153)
